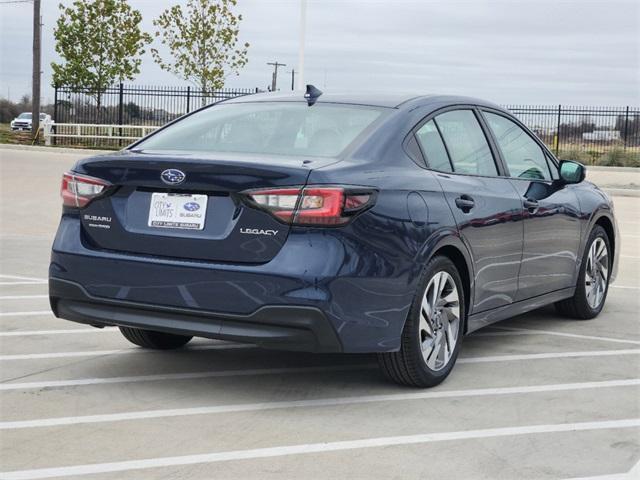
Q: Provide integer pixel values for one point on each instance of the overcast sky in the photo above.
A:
(582, 52)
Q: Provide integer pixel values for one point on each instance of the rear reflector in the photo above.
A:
(78, 190)
(313, 205)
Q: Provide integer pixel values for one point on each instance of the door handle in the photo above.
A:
(465, 203)
(531, 205)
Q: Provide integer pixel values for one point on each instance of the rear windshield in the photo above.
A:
(275, 128)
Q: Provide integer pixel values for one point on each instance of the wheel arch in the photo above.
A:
(607, 224)
(454, 249)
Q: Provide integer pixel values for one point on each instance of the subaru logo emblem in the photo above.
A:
(172, 176)
(191, 206)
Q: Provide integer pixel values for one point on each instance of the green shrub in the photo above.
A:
(574, 154)
(618, 157)
(613, 158)
(594, 155)
(632, 159)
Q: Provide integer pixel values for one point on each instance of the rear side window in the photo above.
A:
(467, 145)
(523, 156)
(433, 147)
(275, 128)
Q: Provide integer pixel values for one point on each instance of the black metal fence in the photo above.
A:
(593, 135)
(133, 104)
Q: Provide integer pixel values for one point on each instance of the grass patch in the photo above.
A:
(8, 136)
(17, 138)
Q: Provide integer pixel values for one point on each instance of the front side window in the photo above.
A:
(523, 156)
(271, 128)
(433, 147)
(467, 145)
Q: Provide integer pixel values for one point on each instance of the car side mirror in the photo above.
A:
(572, 172)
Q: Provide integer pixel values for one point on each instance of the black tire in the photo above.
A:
(578, 307)
(407, 366)
(154, 340)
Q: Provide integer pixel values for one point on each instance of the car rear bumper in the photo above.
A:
(278, 326)
(319, 282)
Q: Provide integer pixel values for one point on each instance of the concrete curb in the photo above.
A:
(613, 169)
(38, 148)
(622, 192)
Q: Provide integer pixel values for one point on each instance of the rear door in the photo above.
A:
(485, 205)
(214, 223)
(551, 210)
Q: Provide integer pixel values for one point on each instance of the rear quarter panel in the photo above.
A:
(383, 251)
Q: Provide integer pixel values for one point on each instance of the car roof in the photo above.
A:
(389, 100)
(381, 99)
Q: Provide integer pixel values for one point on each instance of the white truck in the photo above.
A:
(23, 121)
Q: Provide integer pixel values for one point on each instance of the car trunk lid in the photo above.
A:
(214, 224)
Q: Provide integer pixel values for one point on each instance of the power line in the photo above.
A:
(6, 2)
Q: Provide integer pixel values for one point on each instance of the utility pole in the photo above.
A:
(35, 84)
(293, 79)
(274, 77)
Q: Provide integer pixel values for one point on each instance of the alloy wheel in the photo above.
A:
(596, 273)
(439, 321)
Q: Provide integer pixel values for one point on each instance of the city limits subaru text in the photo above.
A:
(332, 223)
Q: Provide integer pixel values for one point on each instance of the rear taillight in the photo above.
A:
(78, 190)
(313, 205)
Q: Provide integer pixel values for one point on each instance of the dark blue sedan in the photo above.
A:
(332, 223)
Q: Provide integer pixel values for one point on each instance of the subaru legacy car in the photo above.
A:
(390, 224)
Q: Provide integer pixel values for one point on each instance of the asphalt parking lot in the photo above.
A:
(537, 396)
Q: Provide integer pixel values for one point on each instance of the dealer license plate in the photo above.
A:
(176, 210)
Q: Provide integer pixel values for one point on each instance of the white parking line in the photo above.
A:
(20, 277)
(231, 373)
(22, 333)
(286, 450)
(627, 287)
(100, 353)
(26, 314)
(178, 376)
(632, 474)
(496, 358)
(545, 356)
(22, 297)
(20, 282)
(321, 402)
(533, 331)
